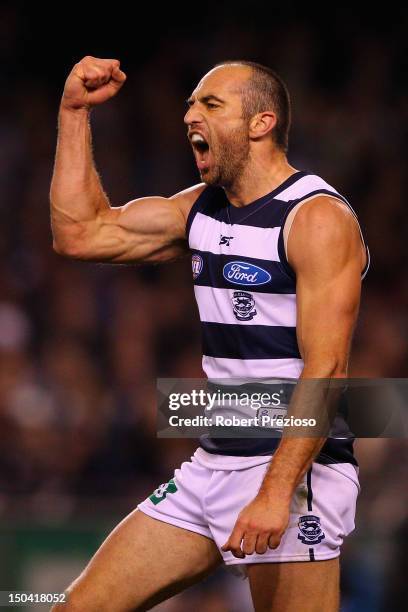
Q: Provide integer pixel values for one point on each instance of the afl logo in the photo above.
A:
(242, 273)
(310, 530)
(197, 265)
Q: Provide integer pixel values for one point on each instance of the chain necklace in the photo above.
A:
(228, 214)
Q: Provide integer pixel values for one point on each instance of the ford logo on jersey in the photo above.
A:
(242, 273)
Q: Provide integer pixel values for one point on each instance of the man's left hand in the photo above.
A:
(261, 524)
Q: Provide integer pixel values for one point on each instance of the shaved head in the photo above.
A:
(262, 90)
(221, 108)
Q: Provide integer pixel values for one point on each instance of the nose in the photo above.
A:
(193, 115)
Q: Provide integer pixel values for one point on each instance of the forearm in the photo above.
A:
(312, 398)
(76, 194)
(289, 464)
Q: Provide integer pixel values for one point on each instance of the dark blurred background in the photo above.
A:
(82, 344)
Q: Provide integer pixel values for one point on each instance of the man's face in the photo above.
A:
(216, 129)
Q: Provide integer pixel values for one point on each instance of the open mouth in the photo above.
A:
(201, 150)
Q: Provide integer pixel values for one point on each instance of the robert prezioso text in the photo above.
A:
(238, 421)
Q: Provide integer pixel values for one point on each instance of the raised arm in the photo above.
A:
(84, 224)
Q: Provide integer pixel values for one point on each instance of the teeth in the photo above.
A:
(197, 138)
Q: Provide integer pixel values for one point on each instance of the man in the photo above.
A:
(278, 258)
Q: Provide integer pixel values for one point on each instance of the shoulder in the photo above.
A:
(317, 202)
(305, 185)
(186, 198)
(324, 212)
(323, 226)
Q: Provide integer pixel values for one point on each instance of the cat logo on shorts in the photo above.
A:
(161, 492)
(309, 526)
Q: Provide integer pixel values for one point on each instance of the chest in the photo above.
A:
(224, 239)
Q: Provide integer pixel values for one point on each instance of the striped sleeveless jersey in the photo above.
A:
(246, 289)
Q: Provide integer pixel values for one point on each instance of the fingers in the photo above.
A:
(118, 74)
(96, 72)
(251, 542)
(92, 81)
(274, 540)
(262, 544)
(233, 543)
(118, 78)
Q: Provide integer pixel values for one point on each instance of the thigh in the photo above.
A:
(290, 587)
(142, 562)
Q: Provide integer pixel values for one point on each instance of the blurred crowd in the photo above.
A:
(82, 344)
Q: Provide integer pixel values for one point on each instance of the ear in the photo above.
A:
(261, 124)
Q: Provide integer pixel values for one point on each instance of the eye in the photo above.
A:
(212, 105)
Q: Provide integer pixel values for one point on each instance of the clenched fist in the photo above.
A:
(92, 81)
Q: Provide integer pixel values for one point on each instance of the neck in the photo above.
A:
(259, 177)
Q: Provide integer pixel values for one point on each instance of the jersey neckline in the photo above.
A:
(239, 212)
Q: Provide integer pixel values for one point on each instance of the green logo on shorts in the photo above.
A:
(161, 492)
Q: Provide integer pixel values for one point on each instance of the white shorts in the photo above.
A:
(207, 501)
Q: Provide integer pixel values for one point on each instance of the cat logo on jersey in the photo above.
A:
(161, 492)
(197, 265)
(243, 305)
(309, 526)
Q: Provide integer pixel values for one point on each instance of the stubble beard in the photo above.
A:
(231, 155)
